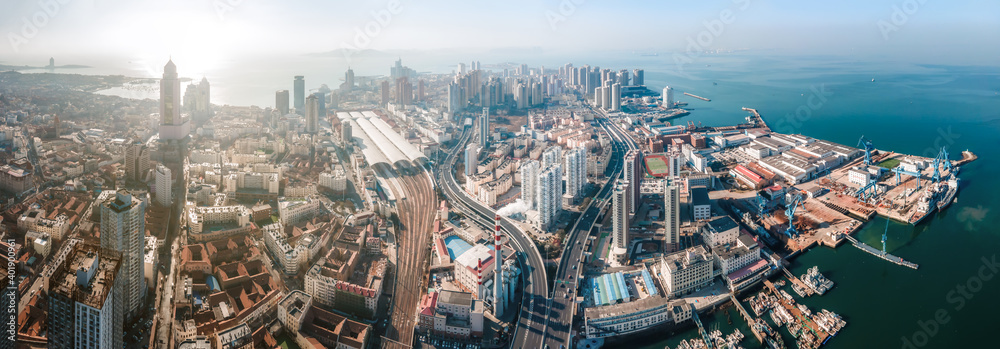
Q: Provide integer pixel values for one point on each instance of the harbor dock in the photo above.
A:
(698, 97)
(795, 280)
(749, 319)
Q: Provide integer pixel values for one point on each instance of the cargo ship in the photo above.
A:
(949, 194)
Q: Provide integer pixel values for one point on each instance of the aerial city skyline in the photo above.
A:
(745, 174)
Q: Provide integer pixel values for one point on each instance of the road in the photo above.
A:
(563, 307)
(415, 203)
(535, 302)
(164, 312)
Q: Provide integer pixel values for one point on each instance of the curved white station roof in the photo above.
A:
(379, 143)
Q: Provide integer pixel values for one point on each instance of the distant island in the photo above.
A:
(4, 67)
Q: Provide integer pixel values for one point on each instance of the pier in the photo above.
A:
(807, 323)
(878, 253)
(701, 329)
(795, 280)
(698, 97)
(757, 116)
(746, 317)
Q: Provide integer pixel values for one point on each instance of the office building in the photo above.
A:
(312, 114)
(123, 229)
(87, 302)
(136, 161)
(299, 90)
(163, 184)
(576, 171)
(173, 125)
(281, 102)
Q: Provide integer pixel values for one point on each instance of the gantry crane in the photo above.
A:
(790, 213)
(869, 147)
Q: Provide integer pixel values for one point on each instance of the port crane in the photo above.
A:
(790, 213)
(869, 147)
(900, 171)
(941, 157)
(761, 205)
(867, 191)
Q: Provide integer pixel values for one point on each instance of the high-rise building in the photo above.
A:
(384, 90)
(620, 218)
(667, 97)
(552, 156)
(86, 299)
(638, 77)
(281, 102)
(549, 195)
(163, 184)
(471, 159)
(348, 79)
(674, 162)
(197, 100)
(320, 105)
(312, 114)
(299, 89)
(576, 171)
(484, 128)
(672, 214)
(455, 102)
(345, 132)
(616, 97)
(173, 126)
(529, 183)
(404, 91)
(421, 90)
(623, 77)
(632, 172)
(123, 229)
(136, 161)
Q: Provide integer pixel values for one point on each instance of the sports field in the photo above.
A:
(656, 165)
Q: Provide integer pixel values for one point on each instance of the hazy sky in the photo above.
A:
(927, 31)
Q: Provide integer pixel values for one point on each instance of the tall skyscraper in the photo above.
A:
(404, 91)
(299, 87)
(346, 132)
(638, 77)
(576, 171)
(384, 90)
(197, 100)
(620, 218)
(86, 300)
(672, 214)
(484, 128)
(667, 97)
(281, 101)
(348, 79)
(163, 183)
(471, 159)
(549, 195)
(136, 161)
(312, 114)
(123, 229)
(529, 183)
(421, 90)
(173, 126)
(616, 97)
(320, 104)
(632, 172)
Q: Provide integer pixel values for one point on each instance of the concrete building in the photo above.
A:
(206, 223)
(136, 161)
(471, 159)
(616, 97)
(576, 171)
(720, 231)
(484, 128)
(451, 314)
(312, 114)
(687, 270)
(529, 182)
(621, 219)
(701, 206)
(667, 97)
(632, 172)
(163, 184)
(281, 102)
(292, 211)
(123, 229)
(473, 268)
(87, 304)
(299, 88)
(173, 125)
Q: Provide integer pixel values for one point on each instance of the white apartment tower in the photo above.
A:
(471, 159)
(549, 193)
(668, 97)
(576, 171)
(620, 218)
(529, 183)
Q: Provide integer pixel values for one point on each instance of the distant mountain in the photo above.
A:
(345, 52)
